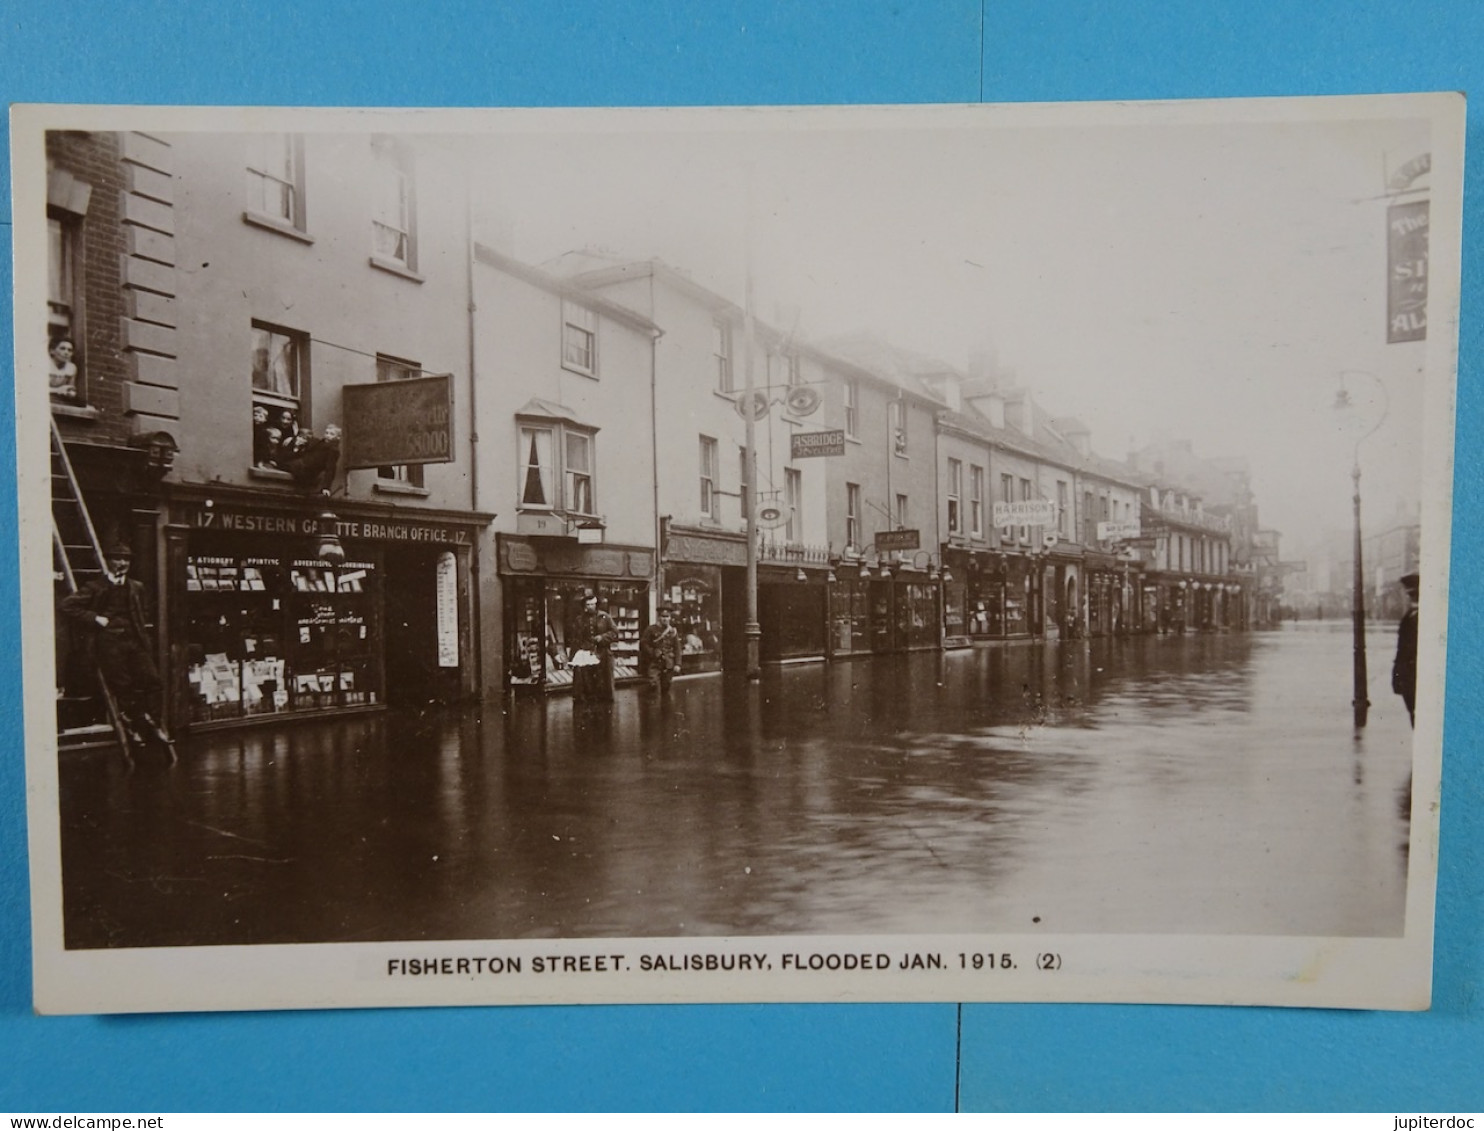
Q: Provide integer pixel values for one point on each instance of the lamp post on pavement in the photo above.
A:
(1360, 701)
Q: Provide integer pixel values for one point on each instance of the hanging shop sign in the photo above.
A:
(1117, 531)
(1406, 266)
(756, 405)
(802, 400)
(447, 585)
(1030, 512)
(887, 540)
(398, 422)
(806, 445)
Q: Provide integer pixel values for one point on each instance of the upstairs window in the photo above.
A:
(897, 423)
(393, 216)
(556, 468)
(709, 470)
(955, 496)
(852, 408)
(579, 451)
(63, 307)
(279, 386)
(903, 512)
(976, 501)
(722, 355)
(579, 339)
(793, 497)
(398, 369)
(853, 514)
(1007, 495)
(742, 481)
(536, 473)
(275, 179)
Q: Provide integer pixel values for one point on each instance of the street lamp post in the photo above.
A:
(1360, 701)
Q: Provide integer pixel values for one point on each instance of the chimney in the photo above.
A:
(1019, 410)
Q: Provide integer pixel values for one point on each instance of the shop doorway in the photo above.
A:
(734, 619)
(413, 675)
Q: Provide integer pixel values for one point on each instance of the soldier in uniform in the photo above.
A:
(111, 609)
(594, 633)
(659, 651)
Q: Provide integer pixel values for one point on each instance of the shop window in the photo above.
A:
(709, 457)
(275, 181)
(955, 496)
(268, 635)
(394, 213)
(398, 369)
(695, 595)
(543, 618)
(579, 339)
(722, 355)
(850, 612)
(279, 385)
(63, 306)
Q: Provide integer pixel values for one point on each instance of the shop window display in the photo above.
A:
(850, 617)
(696, 599)
(267, 635)
(543, 617)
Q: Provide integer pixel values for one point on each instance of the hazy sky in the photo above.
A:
(1201, 281)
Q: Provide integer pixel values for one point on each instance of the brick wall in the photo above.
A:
(125, 316)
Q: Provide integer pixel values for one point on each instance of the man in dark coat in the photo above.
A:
(659, 651)
(111, 609)
(594, 633)
(1404, 668)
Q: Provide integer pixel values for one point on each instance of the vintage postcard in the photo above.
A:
(984, 553)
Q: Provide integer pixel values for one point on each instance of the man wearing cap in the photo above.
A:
(594, 633)
(1404, 668)
(659, 651)
(112, 607)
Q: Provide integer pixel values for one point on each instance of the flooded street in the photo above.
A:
(1196, 784)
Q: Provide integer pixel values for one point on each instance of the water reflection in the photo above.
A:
(1196, 785)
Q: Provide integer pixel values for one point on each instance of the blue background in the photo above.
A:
(628, 52)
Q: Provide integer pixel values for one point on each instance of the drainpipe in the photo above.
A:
(654, 451)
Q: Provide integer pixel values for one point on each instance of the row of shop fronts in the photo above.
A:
(261, 619)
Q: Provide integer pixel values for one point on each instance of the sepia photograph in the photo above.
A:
(868, 553)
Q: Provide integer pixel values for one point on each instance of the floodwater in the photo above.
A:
(1200, 784)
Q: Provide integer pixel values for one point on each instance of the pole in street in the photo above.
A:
(753, 630)
(1360, 702)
